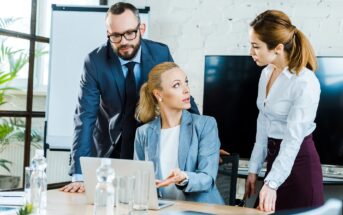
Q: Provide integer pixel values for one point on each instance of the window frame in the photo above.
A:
(28, 113)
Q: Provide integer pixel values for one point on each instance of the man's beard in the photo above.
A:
(128, 56)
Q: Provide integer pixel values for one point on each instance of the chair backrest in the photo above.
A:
(331, 206)
(227, 178)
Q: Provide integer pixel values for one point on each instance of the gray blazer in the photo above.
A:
(198, 154)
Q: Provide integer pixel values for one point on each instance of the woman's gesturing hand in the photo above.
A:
(176, 176)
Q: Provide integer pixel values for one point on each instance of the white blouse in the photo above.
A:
(169, 146)
(287, 113)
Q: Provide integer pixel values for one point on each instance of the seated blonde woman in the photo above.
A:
(184, 147)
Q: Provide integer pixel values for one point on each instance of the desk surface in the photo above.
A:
(75, 203)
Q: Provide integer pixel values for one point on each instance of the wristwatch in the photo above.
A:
(185, 181)
(271, 184)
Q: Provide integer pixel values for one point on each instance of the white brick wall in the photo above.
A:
(195, 28)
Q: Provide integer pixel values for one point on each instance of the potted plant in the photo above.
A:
(6, 129)
(11, 62)
(14, 128)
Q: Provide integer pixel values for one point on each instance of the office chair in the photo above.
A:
(227, 178)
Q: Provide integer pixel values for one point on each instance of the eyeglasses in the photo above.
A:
(129, 35)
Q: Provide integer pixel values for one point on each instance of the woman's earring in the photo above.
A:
(160, 99)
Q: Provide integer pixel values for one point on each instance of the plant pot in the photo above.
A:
(8, 182)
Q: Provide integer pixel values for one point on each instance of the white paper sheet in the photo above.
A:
(12, 198)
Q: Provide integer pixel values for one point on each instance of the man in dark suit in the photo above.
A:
(113, 74)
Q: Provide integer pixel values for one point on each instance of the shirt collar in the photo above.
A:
(289, 74)
(136, 59)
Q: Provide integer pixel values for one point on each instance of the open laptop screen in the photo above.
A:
(121, 167)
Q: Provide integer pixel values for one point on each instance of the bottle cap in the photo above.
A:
(39, 152)
(105, 161)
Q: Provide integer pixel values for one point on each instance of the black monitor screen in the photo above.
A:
(328, 135)
(230, 94)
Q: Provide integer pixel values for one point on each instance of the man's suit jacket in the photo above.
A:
(98, 114)
(198, 154)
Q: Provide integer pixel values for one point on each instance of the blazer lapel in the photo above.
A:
(147, 62)
(118, 72)
(186, 133)
(154, 133)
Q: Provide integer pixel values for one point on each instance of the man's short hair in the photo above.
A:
(120, 7)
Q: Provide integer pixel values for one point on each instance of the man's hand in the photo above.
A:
(250, 185)
(267, 199)
(222, 152)
(74, 187)
(176, 176)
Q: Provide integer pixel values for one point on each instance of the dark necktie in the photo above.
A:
(130, 88)
(129, 122)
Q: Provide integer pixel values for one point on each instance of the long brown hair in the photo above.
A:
(274, 27)
(147, 108)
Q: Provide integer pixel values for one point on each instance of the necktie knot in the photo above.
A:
(130, 66)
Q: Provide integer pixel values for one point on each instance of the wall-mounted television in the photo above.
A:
(230, 93)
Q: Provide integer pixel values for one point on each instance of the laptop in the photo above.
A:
(121, 168)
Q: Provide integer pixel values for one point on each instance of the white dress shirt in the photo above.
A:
(287, 113)
(169, 151)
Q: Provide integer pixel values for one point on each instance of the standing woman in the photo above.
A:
(184, 147)
(288, 97)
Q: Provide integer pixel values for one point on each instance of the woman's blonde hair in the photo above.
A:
(274, 27)
(147, 108)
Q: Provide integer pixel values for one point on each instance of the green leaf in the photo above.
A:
(4, 22)
(4, 164)
(25, 210)
(5, 129)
